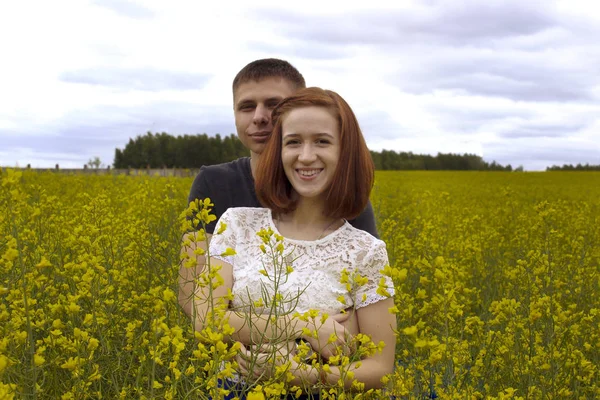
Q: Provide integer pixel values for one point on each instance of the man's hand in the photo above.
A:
(259, 363)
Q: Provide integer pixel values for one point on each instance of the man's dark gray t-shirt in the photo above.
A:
(232, 185)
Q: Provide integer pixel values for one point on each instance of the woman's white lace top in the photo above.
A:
(318, 265)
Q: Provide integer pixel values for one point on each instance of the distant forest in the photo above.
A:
(188, 151)
(162, 150)
(570, 167)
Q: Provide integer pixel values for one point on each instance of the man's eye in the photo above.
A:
(246, 107)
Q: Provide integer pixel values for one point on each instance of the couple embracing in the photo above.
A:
(307, 181)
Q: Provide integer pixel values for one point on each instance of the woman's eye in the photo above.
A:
(323, 141)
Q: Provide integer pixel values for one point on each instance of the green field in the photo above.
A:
(497, 281)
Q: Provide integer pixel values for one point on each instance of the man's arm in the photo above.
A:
(188, 274)
(199, 191)
(202, 189)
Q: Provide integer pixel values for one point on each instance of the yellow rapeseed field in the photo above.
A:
(497, 281)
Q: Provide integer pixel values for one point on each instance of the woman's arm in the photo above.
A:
(375, 321)
(379, 324)
(262, 329)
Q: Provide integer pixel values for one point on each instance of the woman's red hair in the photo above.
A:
(353, 179)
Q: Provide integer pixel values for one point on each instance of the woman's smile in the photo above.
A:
(309, 174)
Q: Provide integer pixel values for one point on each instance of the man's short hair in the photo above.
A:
(269, 68)
(353, 179)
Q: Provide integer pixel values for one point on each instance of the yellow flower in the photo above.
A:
(360, 280)
(190, 370)
(38, 360)
(88, 319)
(332, 338)
(71, 363)
(401, 275)
(222, 227)
(228, 252)
(93, 344)
(4, 362)
(255, 395)
(73, 308)
(58, 324)
(411, 330)
(382, 288)
(259, 303)
(168, 295)
(344, 276)
(43, 263)
(157, 385)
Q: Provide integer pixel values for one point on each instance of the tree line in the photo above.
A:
(570, 167)
(162, 150)
(391, 160)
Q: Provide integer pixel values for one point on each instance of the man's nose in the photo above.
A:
(262, 115)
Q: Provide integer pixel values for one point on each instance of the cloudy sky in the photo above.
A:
(515, 81)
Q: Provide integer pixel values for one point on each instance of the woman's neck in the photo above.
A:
(308, 212)
(307, 221)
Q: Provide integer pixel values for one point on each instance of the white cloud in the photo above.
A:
(508, 80)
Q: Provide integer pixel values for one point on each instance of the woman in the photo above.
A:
(315, 173)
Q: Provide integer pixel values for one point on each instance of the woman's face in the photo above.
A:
(310, 149)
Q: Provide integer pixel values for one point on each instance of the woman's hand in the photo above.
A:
(258, 363)
(333, 335)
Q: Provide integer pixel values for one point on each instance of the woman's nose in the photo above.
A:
(307, 154)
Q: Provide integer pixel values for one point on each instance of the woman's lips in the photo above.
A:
(308, 174)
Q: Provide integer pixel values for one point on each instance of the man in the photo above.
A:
(257, 89)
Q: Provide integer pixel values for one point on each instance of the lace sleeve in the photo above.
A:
(227, 238)
(371, 268)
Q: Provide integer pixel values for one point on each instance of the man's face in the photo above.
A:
(253, 103)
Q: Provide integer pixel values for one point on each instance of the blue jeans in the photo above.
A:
(237, 390)
(227, 384)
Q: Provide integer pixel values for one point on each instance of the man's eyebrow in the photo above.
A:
(245, 102)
